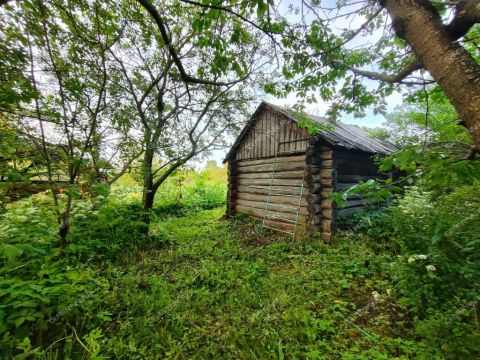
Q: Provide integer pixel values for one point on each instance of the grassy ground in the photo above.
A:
(211, 291)
(205, 288)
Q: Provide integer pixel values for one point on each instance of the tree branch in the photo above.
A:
(147, 5)
(391, 79)
(467, 14)
(269, 33)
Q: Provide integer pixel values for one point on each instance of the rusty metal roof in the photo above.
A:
(343, 136)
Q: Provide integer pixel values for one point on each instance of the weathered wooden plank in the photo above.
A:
(282, 159)
(327, 204)
(292, 201)
(264, 189)
(238, 154)
(232, 188)
(280, 208)
(275, 182)
(273, 215)
(288, 166)
(279, 225)
(314, 198)
(326, 237)
(326, 173)
(326, 192)
(326, 154)
(298, 174)
(271, 129)
(263, 151)
(328, 214)
(245, 146)
(326, 183)
(314, 208)
(328, 226)
(327, 164)
(300, 230)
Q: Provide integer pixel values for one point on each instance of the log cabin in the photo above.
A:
(283, 176)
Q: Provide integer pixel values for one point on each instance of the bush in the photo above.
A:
(39, 290)
(430, 244)
(436, 275)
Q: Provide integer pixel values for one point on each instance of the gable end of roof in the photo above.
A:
(343, 136)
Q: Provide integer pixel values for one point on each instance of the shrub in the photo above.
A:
(440, 240)
(36, 283)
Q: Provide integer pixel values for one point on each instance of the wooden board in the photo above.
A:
(274, 182)
(266, 131)
(292, 201)
(277, 208)
(260, 213)
(344, 186)
(283, 159)
(264, 189)
(269, 167)
(298, 174)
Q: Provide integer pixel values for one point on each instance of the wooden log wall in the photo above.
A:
(252, 186)
(321, 182)
(266, 131)
(352, 168)
(232, 187)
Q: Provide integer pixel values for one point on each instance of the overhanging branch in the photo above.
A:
(147, 5)
(391, 79)
(467, 14)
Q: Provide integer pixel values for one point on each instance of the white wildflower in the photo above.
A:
(417, 257)
(430, 268)
(376, 295)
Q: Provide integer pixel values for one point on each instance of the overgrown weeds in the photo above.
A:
(201, 287)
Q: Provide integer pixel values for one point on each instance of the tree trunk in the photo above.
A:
(148, 189)
(456, 72)
(65, 225)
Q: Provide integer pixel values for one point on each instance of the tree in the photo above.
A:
(107, 90)
(68, 69)
(401, 39)
(432, 152)
(174, 121)
(423, 41)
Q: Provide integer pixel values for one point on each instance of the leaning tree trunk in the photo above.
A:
(456, 72)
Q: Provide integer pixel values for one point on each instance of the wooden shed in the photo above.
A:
(280, 174)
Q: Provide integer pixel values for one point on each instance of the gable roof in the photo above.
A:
(343, 136)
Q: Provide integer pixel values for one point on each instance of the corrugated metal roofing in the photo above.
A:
(345, 136)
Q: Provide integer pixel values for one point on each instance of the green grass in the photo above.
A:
(204, 288)
(213, 293)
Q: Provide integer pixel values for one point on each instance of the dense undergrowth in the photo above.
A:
(398, 284)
